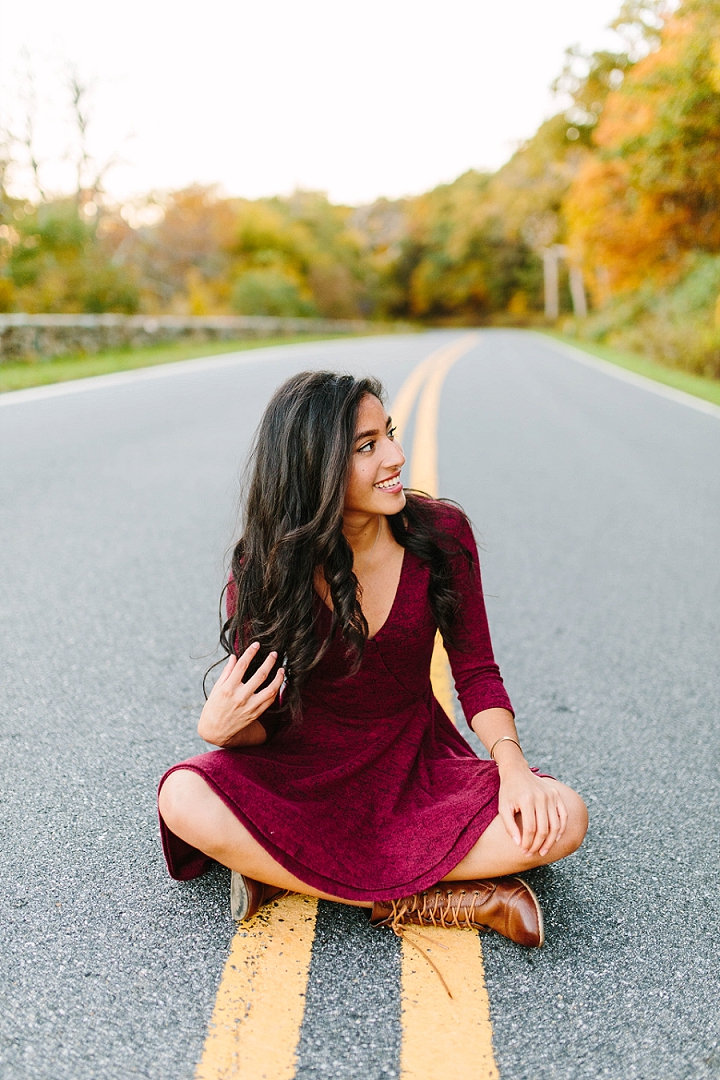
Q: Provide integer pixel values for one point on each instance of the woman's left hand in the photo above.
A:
(531, 808)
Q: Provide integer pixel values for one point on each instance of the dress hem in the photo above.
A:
(200, 863)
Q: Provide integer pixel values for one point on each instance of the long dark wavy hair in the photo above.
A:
(293, 518)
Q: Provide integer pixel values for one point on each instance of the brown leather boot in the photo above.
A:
(247, 896)
(505, 904)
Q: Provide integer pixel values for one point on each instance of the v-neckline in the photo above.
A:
(390, 613)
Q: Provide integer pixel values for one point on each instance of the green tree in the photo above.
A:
(57, 262)
(269, 292)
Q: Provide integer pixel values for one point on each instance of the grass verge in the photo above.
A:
(698, 385)
(26, 373)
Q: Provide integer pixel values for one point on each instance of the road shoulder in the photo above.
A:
(696, 385)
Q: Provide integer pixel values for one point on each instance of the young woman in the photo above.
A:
(339, 774)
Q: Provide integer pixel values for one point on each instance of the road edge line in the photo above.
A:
(214, 362)
(643, 382)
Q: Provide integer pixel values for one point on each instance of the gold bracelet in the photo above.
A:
(504, 738)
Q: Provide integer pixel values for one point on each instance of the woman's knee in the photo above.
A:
(577, 823)
(180, 800)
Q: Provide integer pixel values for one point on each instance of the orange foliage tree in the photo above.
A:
(651, 192)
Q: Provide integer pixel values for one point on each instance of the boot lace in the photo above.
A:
(439, 908)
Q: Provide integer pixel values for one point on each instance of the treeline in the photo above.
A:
(624, 183)
(431, 257)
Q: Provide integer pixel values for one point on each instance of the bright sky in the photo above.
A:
(383, 97)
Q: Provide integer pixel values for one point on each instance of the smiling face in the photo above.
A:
(374, 485)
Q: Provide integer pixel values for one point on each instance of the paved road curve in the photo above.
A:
(599, 507)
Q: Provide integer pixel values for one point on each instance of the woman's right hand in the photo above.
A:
(232, 704)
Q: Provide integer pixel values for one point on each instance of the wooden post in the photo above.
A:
(577, 291)
(551, 258)
(550, 275)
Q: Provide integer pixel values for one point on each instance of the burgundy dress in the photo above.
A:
(374, 793)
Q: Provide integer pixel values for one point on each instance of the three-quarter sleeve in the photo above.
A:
(477, 677)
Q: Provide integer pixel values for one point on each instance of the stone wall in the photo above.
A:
(41, 337)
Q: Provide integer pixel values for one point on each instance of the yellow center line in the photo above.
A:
(254, 1029)
(404, 401)
(255, 1025)
(439, 1032)
(424, 461)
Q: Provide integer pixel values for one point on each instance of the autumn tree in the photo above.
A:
(452, 259)
(651, 192)
(58, 250)
(298, 256)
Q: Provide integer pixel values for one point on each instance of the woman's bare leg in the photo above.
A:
(193, 811)
(496, 853)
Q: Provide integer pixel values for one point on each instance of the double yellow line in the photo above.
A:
(255, 1025)
(438, 1033)
(427, 381)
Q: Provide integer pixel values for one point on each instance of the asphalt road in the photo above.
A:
(598, 504)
